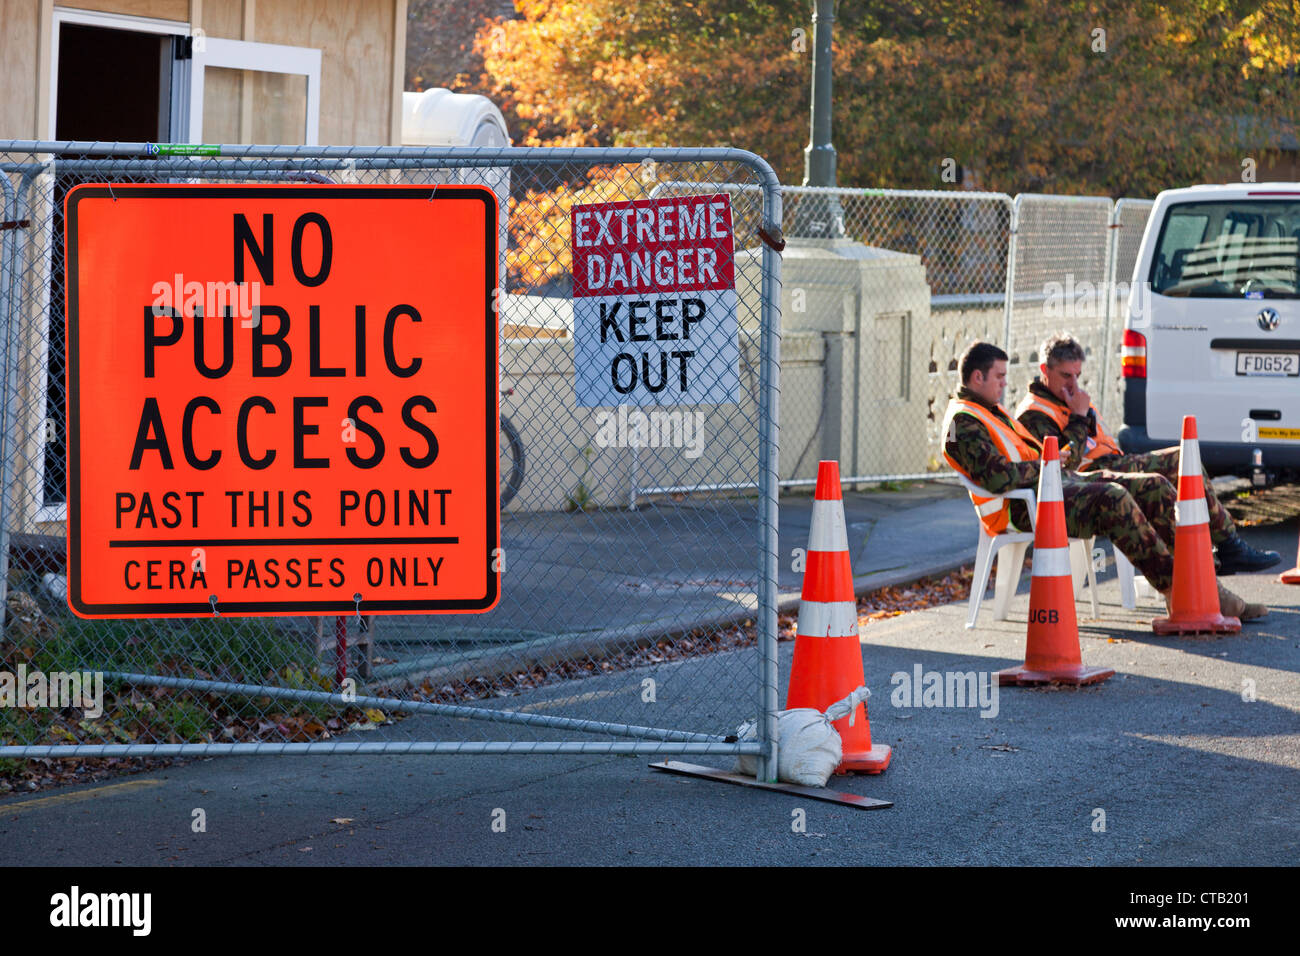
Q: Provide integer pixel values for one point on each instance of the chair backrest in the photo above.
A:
(1025, 494)
(975, 489)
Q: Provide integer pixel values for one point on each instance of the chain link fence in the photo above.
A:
(606, 510)
(883, 289)
(590, 589)
(1058, 264)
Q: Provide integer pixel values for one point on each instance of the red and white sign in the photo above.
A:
(654, 302)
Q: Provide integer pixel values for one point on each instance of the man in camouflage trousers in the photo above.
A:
(994, 451)
(1052, 402)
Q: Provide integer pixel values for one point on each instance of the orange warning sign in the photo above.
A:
(281, 400)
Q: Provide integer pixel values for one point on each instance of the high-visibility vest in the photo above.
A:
(1013, 441)
(1099, 447)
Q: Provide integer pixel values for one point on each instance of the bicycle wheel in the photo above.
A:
(512, 461)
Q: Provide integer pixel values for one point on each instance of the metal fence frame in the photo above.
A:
(281, 161)
(10, 223)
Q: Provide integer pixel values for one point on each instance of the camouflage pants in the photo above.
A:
(1136, 511)
(1165, 462)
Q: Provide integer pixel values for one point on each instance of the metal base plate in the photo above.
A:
(812, 793)
(1022, 676)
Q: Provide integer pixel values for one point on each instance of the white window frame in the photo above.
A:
(263, 57)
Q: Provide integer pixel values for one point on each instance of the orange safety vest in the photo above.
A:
(1013, 441)
(1100, 447)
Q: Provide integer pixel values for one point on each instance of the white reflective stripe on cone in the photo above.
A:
(1051, 562)
(828, 619)
(1189, 458)
(991, 507)
(828, 532)
(1049, 482)
(1194, 511)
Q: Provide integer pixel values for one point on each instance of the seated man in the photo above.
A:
(988, 446)
(1053, 401)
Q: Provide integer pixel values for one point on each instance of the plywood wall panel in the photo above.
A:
(19, 43)
(356, 42)
(223, 19)
(178, 10)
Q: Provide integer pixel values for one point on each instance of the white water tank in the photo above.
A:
(439, 117)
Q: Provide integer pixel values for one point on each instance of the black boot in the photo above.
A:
(1236, 555)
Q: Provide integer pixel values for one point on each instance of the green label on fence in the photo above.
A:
(184, 149)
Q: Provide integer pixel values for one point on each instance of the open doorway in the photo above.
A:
(114, 85)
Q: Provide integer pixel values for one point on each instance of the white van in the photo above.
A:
(1213, 327)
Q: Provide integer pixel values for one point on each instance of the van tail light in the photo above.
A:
(1134, 361)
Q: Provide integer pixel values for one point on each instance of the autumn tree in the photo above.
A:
(1118, 97)
(440, 38)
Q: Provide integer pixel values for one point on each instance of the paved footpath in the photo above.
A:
(1190, 755)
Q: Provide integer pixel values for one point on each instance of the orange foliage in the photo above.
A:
(1020, 92)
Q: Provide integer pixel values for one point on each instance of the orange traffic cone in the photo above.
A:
(1195, 597)
(1052, 642)
(827, 652)
(1292, 576)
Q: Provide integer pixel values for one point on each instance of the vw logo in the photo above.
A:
(1267, 319)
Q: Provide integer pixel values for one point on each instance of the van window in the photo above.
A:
(1229, 250)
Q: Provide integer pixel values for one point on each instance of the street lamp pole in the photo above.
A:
(823, 216)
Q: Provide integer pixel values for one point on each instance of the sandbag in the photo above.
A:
(808, 746)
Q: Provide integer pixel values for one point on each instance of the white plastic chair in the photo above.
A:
(1132, 586)
(1011, 563)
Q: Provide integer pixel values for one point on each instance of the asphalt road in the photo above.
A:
(1184, 766)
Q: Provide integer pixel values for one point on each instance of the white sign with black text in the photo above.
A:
(654, 302)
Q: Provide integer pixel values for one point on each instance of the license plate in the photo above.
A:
(1268, 363)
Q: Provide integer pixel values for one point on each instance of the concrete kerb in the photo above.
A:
(549, 652)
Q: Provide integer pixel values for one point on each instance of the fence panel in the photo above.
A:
(590, 589)
(881, 290)
(908, 279)
(1059, 258)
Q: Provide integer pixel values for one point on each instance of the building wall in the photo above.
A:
(20, 42)
(361, 104)
(362, 43)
